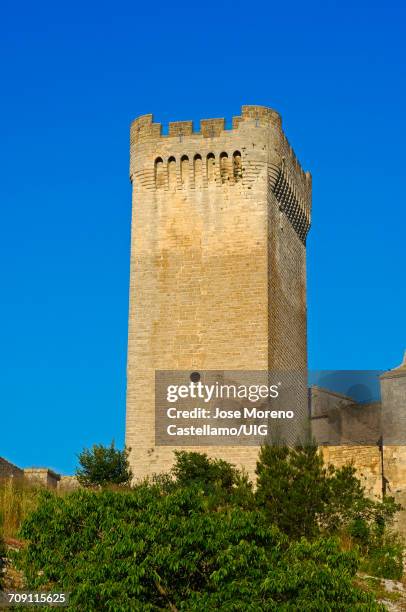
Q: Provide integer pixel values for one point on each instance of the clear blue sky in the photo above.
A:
(73, 76)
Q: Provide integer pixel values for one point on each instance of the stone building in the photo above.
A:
(218, 282)
(37, 476)
(371, 435)
(9, 470)
(218, 262)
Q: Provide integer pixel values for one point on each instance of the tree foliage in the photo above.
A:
(200, 538)
(199, 469)
(292, 488)
(141, 550)
(219, 480)
(303, 497)
(103, 465)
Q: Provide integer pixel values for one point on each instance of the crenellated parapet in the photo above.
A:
(214, 155)
(180, 128)
(144, 126)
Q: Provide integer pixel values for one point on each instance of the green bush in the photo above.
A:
(383, 556)
(199, 538)
(304, 497)
(292, 488)
(104, 465)
(222, 482)
(198, 469)
(360, 532)
(148, 550)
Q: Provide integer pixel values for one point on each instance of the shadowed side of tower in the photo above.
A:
(218, 262)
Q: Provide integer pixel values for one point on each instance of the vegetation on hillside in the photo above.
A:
(2, 557)
(103, 465)
(203, 538)
(18, 497)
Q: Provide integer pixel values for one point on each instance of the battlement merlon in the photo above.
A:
(144, 128)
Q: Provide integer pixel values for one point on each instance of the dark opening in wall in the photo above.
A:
(159, 171)
(184, 170)
(224, 167)
(172, 172)
(237, 165)
(197, 169)
(211, 166)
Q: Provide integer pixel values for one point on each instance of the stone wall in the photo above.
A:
(68, 483)
(338, 420)
(8, 470)
(44, 476)
(218, 277)
(366, 460)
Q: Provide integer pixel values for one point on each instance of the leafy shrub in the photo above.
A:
(292, 488)
(198, 469)
(146, 550)
(306, 498)
(103, 465)
(348, 504)
(222, 482)
(360, 531)
(383, 556)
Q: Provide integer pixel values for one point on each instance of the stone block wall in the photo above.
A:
(379, 467)
(217, 278)
(68, 483)
(44, 476)
(8, 470)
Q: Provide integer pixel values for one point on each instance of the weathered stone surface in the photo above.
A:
(381, 467)
(218, 262)
(45, 476)
(8, 470)
(218, 281)
(68, 483)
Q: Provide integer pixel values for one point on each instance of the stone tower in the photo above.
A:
(218, 261)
